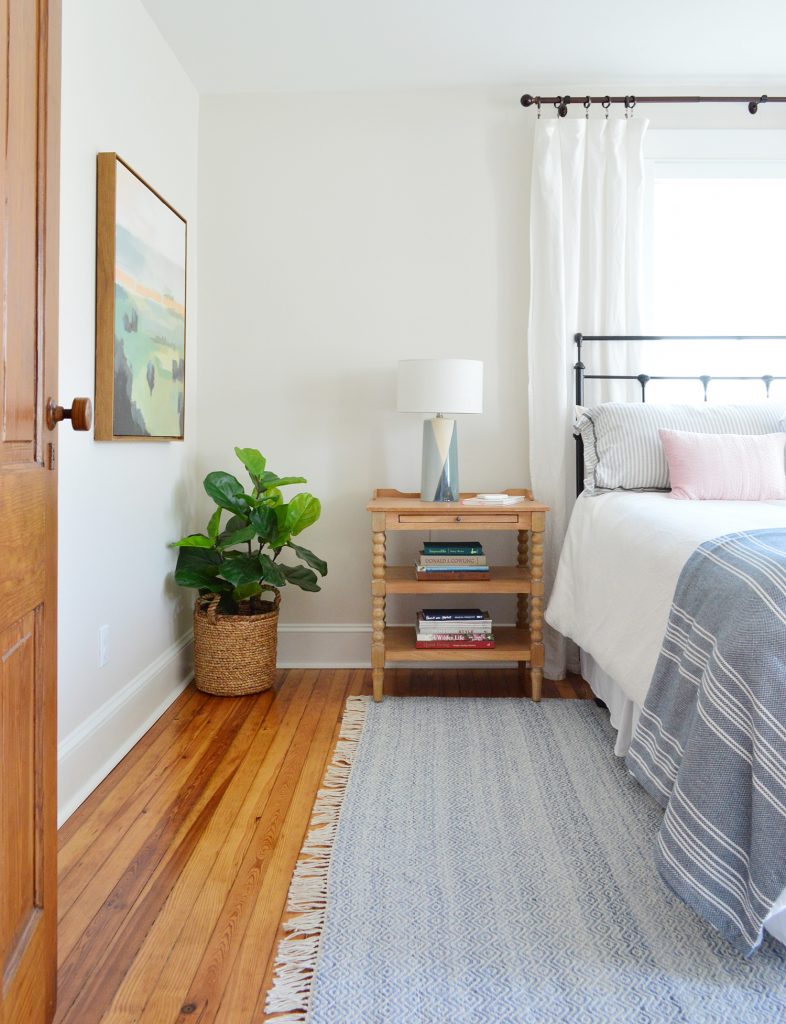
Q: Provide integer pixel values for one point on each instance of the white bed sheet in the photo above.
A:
(619, 566)
(618, 570)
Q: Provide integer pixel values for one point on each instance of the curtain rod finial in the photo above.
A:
(527, 100)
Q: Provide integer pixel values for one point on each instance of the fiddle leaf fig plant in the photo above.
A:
(242, 556)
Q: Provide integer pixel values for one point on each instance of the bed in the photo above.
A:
(623, 555)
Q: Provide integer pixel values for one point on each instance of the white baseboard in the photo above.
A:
(306, 645)
(89, 753)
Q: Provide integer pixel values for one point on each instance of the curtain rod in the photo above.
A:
(563, 102)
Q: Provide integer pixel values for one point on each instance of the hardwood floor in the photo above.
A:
(175, 871)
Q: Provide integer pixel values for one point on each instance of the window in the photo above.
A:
(716, 259)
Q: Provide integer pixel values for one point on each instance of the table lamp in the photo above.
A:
(440, 386)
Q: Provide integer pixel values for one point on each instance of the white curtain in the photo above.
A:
(586, 221)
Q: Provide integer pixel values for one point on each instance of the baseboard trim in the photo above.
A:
(89, 753)
(324, 645)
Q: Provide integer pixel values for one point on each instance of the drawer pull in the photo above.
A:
(458, 519)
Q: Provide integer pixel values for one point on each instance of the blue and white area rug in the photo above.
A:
(490, 861)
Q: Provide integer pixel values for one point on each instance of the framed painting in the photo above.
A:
(140, 309)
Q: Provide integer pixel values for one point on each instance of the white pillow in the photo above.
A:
(622, 448)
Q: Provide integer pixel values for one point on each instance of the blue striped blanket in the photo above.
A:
(710, 745)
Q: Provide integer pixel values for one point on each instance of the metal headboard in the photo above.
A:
(643, 379)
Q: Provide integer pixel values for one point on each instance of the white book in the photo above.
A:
(493, 499)
(453, 625)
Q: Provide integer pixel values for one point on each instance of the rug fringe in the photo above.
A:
(296, 957)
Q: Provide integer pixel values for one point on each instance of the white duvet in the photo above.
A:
(619, 566)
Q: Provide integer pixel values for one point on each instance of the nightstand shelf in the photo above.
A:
(512, 645)
(505, 579)
(393, 510)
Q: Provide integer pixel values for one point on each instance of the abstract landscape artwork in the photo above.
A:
(140, 309)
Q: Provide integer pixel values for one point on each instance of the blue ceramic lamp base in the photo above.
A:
(439, 481)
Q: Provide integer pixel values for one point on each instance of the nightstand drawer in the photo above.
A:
(427, 519)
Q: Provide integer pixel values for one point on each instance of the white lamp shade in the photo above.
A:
(440, 385)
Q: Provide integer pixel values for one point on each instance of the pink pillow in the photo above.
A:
(732, 467)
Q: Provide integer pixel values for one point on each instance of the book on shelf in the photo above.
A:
(451, 560)
(452, 634)
(448, 645)
(453, 625)
(426, 569)
(462, 547)
(455, 575)
(493, 499)
(440, 614)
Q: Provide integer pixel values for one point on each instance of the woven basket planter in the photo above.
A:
(235, 654)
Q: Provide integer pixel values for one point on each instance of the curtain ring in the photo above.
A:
(606, 104)
(537, 104)
(587, 105)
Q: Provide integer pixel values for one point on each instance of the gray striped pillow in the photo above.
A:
(622, 448)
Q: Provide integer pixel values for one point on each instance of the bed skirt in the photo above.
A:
(624, 712)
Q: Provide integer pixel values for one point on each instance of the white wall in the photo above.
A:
(340, 233)
(122, 90)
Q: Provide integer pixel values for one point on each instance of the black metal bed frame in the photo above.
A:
(643, 379)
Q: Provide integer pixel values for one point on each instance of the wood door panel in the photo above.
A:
(29, 174)
(23, 514)
(20, 183)
(21, 849)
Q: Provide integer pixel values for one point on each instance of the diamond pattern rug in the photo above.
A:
(490, 861)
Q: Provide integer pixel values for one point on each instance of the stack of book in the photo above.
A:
(446, 628)
(452, 560)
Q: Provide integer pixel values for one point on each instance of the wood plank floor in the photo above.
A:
(174, 872)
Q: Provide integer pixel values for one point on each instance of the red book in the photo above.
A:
(447, 645)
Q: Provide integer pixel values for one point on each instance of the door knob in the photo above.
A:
(80, 414)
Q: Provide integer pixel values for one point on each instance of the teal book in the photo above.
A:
(469, 547)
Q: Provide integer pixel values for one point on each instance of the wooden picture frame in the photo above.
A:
(141, 273)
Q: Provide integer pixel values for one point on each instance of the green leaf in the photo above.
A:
(226, 491)
(270, 480)
(246, 533)
(246, 590)
(198, 568)
(199, 579)
(214, 524)
(303, 510)
(310, 558)
(272, 497)
(236, 523)
(194, 540)
(264, 522)
(241, 569)
(301, 577)
(271, 573)
(281, 535)
(253, 460)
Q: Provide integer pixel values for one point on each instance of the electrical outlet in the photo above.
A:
(103, 646)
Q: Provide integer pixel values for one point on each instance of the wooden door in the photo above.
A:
(29, 114)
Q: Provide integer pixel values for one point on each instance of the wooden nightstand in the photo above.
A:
(393, 510)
